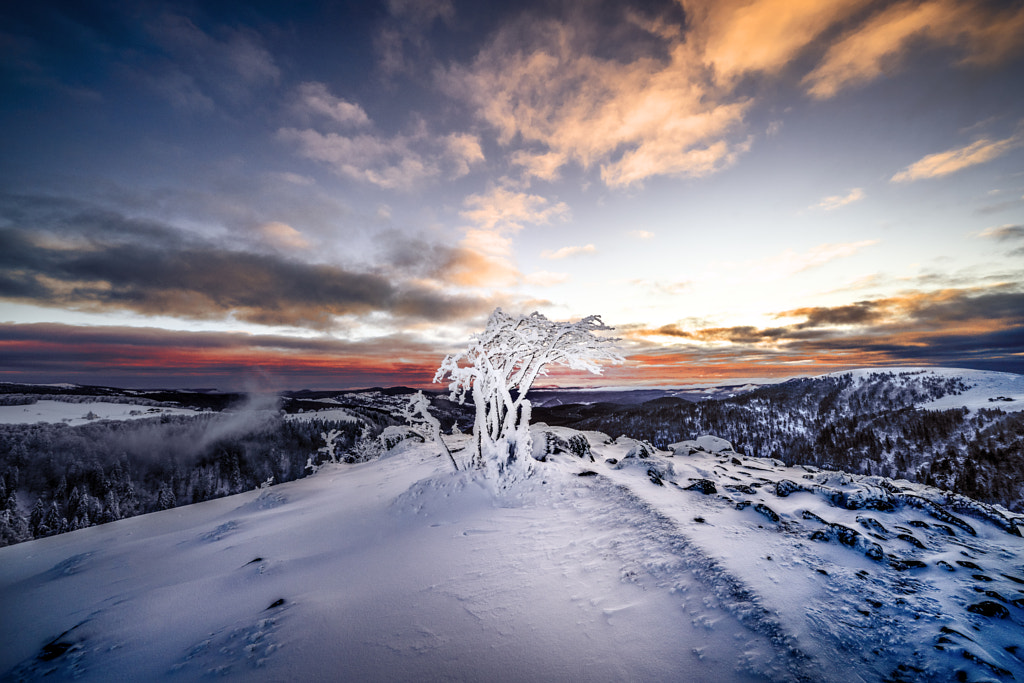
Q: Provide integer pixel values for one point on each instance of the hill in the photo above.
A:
(961, 430)
(613, 562)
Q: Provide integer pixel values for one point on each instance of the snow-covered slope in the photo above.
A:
(75, 414)
(618, 567)
(985, 389)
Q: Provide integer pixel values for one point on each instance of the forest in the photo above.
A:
(830, 422)
(80, 476)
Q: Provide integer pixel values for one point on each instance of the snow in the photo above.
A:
(987, 388)
(75, 414)
(332, 414)
(403, 569)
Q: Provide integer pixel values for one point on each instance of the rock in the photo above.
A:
(935, 511)
(767, 512)
(872, 524)
(807, 514)
(903, 564)
(911, 540)
(785, 487)
(705, 486)
(987, 608)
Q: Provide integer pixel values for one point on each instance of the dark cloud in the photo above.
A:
(81, 257)
(959, 327)
(859, 313)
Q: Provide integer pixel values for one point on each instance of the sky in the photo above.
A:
(337, 194)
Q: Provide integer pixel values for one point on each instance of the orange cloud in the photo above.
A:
(283, 235)
(636, 119)
(840, 200)
(484, 257)
(953, 160)
(740, 37)
(984, 34)
(566, 252)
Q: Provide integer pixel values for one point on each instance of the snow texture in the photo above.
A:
(404, 569)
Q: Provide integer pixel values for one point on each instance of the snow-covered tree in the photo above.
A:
(329, 449)
(417, 414)
(498, 369)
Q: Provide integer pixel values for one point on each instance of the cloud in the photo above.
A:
(837, 201)
(642, 234)
(539, 82)
(1004, 233)
(484, 255)
(565, 252)
(970, 327)
(283, 235)
(953, 160)
(740, 37)
(463, 150)
(984, 34)
(389, 163)
(397, 162)
(542, 165)
(504, 209)
(638, 95)
(314, 98)
(232, 65)
(72, 256)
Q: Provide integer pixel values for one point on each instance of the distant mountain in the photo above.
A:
(961, 430)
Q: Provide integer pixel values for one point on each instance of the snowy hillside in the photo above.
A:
(982, 388)
(620, 564)
(961, 430)
(75, 414)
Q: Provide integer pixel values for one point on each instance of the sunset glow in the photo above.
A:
(336, 196)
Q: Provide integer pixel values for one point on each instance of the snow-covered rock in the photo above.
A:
(706, 443)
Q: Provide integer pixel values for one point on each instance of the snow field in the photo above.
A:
(622, 564)
(75, 414)
(393, 569)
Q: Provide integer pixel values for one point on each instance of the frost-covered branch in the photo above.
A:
(417, 415)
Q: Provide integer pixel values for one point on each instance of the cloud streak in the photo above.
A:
(957, 159)
(838, 201)
(566, 252)
(983, 33)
